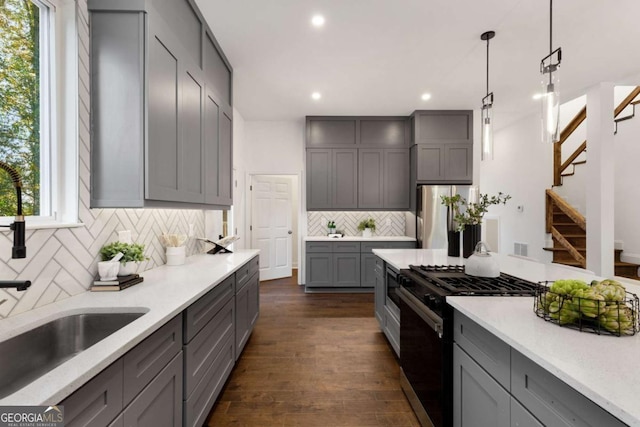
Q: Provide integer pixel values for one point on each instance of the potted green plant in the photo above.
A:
(132, 253)
(367, 226)
(467, 216)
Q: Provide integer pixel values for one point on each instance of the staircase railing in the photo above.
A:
(552, 198)
(558, 165)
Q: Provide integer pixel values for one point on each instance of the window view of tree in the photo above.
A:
(20, 103)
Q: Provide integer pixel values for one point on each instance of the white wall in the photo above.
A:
(627, 192)
(239, 177)
(522, 168)
(277, 148)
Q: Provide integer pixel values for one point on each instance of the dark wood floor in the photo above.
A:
(314, 360)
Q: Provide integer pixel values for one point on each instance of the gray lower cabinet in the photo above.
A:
(247, 304)
(159, 404)
(345, 264)
(346, 270)
(367, 270)
(380, 291)
(479, 400)
(161, 126)
(520, 417)
(174, 376)
(97, 402)
(495, 385)
(208, 357)
(551, 400)
(145, 379)
(319, 270)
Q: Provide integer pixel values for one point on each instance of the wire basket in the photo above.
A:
(588, 314)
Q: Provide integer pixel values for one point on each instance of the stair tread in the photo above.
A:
(563, 249)
(625, 264)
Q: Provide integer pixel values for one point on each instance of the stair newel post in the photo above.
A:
(557, 163)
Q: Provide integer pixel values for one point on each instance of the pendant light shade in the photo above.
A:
(550, 71)
(487, 109)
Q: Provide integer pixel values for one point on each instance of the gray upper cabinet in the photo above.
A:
(331, 132)
(370, 176)
(383, 178)
(344, 164)
(444, 146)
(161, 107)
(388, 132)
(365, 165)
(396, 175)
(442, 126)
(332, 180)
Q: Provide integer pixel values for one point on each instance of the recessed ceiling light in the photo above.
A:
(426, 96)
(316, 95)
(317, 20)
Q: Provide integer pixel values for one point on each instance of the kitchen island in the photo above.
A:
(166, 292)
(600, 367)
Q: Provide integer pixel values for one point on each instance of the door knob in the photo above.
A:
(289, 232)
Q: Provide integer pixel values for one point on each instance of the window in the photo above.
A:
(24, 73)
(35, 47)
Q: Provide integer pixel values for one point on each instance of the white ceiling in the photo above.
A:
(376, 57)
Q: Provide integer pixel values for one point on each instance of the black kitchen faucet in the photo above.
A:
(19, 250)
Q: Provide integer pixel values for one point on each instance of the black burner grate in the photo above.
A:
(452, 279)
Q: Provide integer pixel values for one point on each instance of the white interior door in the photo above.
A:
(271, 224)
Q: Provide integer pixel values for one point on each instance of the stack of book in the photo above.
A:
(120, 283)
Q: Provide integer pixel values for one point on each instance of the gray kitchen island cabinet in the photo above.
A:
(495, 385)
(161, 123)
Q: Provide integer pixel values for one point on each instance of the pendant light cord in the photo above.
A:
(550, 40)
(487, 66)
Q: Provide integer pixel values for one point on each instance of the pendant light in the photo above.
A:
(487, 111)
(549, 68)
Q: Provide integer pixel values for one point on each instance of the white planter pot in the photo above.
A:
(366, 233)
(127, 268)
(176, 255)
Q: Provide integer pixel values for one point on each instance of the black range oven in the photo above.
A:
(426, 332)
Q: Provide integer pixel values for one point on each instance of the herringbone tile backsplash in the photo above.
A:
(63, 262)
(387, 223)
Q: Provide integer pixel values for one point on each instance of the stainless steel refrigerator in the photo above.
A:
(433, 221)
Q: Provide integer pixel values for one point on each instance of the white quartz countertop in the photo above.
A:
(165, 292)
(601, 367)
(360, 239)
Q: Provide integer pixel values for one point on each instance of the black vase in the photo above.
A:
(454, 243)
(470, 238)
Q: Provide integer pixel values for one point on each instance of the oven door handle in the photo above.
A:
(432, 319)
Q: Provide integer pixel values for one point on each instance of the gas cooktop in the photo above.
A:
(453, 280)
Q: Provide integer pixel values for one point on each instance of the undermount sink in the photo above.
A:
(33, 353)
